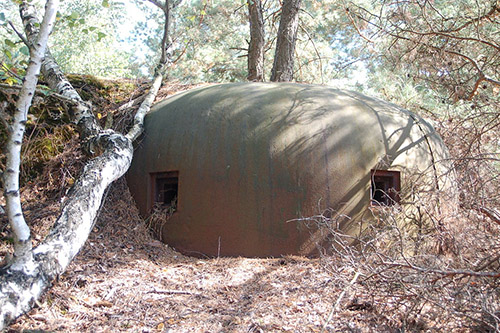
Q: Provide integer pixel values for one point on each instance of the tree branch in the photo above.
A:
(464, 272)
(492, 12)
(481, 75)
(137, 127)
(38, 91)
(80, 111)
(20, 35)
(356, 26)
(447, 35)
(316, 51)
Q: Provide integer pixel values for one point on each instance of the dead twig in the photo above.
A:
(339, 299)
(175, 292)
(464, 272)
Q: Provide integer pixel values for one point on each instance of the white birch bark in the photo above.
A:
(137, 128)
(80, 111)
(20, 288)
(22, 238)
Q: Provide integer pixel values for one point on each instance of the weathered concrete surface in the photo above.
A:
(253, 156)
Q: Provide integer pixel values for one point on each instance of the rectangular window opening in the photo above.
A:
(165, 189)
(385, 187)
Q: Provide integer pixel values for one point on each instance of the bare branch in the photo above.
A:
(447, 35)
(337, 303)
(491, 13)
(492, 213)
(356, 26)
(20, 35)
(420, 41)
(463, 272)
(39, 91)
(10, 71)
(319, 58)
(138, 127)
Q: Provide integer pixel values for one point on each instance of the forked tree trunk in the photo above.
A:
(22, 285)
(256, 46)
(285, 45)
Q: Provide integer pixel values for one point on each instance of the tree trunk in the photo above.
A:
(20, 287)
(22, 237)
(285, 45)
(256, 46)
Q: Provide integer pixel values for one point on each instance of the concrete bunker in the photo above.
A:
(238, 162)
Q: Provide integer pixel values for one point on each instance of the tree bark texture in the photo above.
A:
(22, 238)
(256, 46)
(21, 287)
(285, 45)
(80, 111)
(138, 127)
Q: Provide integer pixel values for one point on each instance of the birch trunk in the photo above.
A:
(80, 111)
(21, 287)
(22, 238)
(285, 45)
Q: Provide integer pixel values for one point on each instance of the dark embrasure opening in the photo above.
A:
(165, 188)
(385, 187)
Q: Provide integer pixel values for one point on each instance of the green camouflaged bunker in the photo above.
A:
(239, 162)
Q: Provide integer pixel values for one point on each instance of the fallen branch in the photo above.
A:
(339, 299)
(15, 88)
(464, 272)
(175, 292)
(492, 213)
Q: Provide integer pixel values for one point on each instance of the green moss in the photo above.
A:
(49, 129)
(81, 80)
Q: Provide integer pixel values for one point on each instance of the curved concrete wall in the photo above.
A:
(253, 156)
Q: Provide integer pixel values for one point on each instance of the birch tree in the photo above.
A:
(21, 231)
(31, 271)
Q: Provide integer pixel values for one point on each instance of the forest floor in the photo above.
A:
(125, 280)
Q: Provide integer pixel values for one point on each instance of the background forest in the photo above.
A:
(439, 59)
